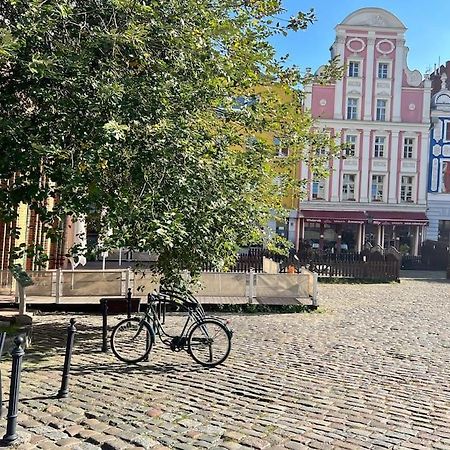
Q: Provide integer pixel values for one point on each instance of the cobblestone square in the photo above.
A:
(369, 370)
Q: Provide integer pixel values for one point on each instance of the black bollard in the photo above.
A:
(129, 303)
(104, 302)
(17, 355)
(64, 391)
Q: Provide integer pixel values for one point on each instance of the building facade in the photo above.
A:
(376, 191)
(439, 159)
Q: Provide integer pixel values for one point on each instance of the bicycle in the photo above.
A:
(207, 339)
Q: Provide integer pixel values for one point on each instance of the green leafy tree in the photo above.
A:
(159, 114)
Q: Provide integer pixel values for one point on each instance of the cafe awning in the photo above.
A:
(358, 217)
(333, 216)
(397, 218)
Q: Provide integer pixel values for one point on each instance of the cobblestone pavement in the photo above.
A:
(371, 370)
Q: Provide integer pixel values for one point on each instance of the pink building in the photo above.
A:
(376, 192)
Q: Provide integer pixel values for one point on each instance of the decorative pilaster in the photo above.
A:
(398, 78)
(393, 168)
(339, 90)
(364, 174)
(308, 96)
(369, 76)
(422, 172)
(335, 181)
(427, 98)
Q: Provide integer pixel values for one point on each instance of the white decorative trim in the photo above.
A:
(394, 189)
(413, 77)
(385, 41)
(371, 125)
(443, 98)
(397, 72)
(356, 50)
(381, 85)
(373, 17)
(422, 170)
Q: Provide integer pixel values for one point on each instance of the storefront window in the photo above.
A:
(444, 231)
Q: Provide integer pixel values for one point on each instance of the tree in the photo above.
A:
(159, 114)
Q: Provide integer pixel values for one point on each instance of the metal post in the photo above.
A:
(251, 286)
(104, 302)
(315, 300)
(129, 303)
(2, 343)
(58, 285)
(22, 299)
(17, 355)
(127, 279)
(64, 391)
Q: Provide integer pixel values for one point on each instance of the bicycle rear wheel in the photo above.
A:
(132, 340)
(209, 342)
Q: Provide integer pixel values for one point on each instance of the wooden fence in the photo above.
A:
(366, 265)
(388, 270)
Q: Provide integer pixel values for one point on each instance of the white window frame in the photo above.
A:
(379, 193)
(379, 148)
(407, 189)
(322, 151)
(352, 110)
(348, 191)
(387, 72)
(351, 69)
(321, 190)
(378, 116)
(283, 151)
(409, 150)
(446, 133)
(353, 145)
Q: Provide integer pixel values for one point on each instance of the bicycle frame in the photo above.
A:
(198, 333)
(155, 315)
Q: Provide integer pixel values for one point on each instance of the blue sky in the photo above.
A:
(428, 34)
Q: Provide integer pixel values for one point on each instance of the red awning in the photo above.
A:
(333, 216)
(397, 218)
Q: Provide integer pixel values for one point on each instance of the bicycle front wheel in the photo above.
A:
(132, 340)
(209, 342)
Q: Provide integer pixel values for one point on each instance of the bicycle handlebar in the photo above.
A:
(173, 297)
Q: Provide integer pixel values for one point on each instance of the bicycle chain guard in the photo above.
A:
(178, 343)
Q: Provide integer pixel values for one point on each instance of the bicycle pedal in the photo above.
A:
(178, 343)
